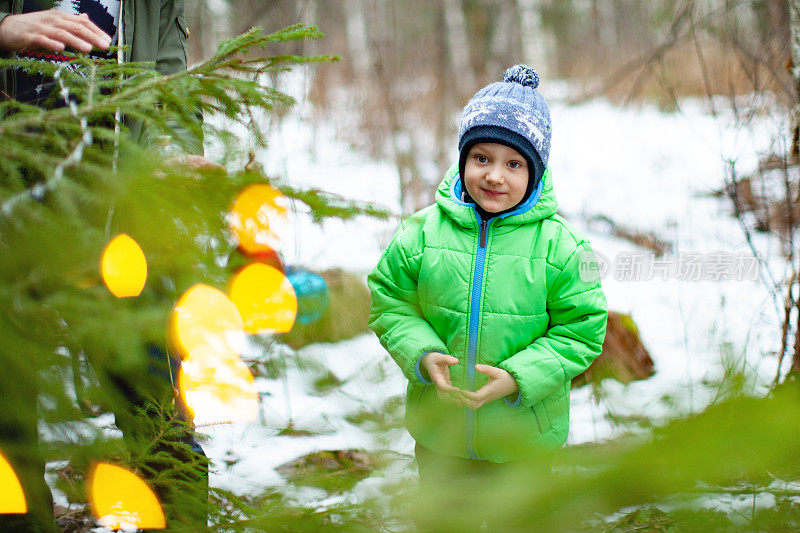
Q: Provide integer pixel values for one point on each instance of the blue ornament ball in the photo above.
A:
(312, 294)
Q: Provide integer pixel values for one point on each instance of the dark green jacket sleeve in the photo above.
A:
(395, 314)
(574, 338)
(6, 8)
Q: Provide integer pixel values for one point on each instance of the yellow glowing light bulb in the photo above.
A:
(217, 389)
(258, 218)
(120, 499)
(265, 299)
(204, 316)
(123, 267)
(12, 498)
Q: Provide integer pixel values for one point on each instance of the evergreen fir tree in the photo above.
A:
(70, 181)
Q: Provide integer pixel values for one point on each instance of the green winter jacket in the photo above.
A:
(156, 31)
(520, 292)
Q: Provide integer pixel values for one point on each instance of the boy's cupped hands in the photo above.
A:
(500, 383)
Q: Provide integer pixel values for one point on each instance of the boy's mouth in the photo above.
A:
(493, 194)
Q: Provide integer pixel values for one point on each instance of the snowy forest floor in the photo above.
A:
(639, 167)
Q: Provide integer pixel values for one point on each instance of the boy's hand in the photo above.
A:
(438, 367)
(500, 384)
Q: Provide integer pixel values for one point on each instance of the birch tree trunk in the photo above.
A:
(794, 23)
(500, 43)
(536, 47)
(458, 43)
(443, 92)
(381, 39)
(357, 42)
(208, 21)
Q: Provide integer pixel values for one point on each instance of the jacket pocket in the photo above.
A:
(183, 34)
(542, 418)
(181, 22)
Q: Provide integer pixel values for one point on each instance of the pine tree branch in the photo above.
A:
(215, 85)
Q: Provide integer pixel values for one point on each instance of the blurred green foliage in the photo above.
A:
(743, 444)
(345, 317)
(69, 183)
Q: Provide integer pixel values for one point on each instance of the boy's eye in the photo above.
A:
(514, 164)
(481, 159)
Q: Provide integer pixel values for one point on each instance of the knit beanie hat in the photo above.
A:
(513, 113)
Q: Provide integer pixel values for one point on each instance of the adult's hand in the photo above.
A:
(500, 384)
(51, 30)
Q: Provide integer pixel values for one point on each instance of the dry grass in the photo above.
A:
(346, 316)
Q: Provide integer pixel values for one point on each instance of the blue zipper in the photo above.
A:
(474, 317)
(475, 304)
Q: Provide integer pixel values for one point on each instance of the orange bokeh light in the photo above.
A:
(217, 389)
(12, 498)
(204, 316)
(258, 218)
(123, 267)
(121, 500)
(265, 298)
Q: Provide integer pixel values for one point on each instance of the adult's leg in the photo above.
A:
(170, 457)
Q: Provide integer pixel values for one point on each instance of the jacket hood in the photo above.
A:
(540, 204)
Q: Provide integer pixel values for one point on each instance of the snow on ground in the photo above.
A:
(245, 455)
(639, 166)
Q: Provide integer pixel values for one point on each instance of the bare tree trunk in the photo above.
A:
(536, 46)
(500, 44)
(357, 42)
(208, 21)
(794, 22)
(458, 43)
(596, 22)
(380, 39)
(307, 14)
(607, 25)
(794, 157)
(443, 94)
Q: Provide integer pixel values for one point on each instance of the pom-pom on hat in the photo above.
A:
(510, 112)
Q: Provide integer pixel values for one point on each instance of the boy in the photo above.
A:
(478, 298)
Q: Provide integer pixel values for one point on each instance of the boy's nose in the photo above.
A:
(494, 175)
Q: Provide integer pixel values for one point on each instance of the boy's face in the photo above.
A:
(496, 176)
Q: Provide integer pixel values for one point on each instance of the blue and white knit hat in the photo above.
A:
(511, 112)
